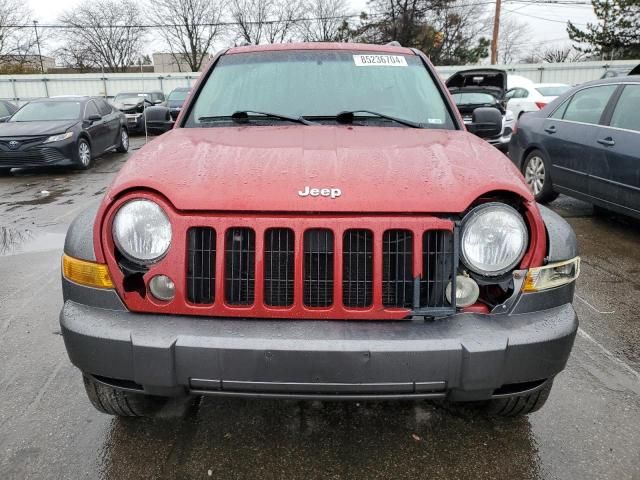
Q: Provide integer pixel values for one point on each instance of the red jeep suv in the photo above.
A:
(319, 224)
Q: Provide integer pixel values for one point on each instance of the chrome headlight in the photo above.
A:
(58, 138)
(494, 239)
(142, 231)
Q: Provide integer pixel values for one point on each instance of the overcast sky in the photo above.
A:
(547, 22)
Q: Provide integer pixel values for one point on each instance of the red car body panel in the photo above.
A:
(378, 169)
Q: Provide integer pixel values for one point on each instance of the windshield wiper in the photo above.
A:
(348, 117)
(242, 116)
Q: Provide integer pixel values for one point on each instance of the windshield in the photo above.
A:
(47, 111)
(178, 95)
(473, 98)
(321, 84)
(552, 91)
(130, 97)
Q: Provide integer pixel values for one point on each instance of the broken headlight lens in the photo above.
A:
(551, 276)
(142, 231)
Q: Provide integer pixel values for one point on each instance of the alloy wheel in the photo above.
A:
(534, 174)
(124, 140)
(84, 152)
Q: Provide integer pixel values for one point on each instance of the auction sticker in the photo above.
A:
(380, 61)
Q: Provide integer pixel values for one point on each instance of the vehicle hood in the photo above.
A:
(128, 105)
(488, 80)
(377, 169)
(28, 129)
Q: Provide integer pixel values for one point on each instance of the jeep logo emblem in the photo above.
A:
(13, 144)
(320, 192)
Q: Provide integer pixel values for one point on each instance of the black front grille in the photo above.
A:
(34, 156)
(240, 252)
(318, 268)
(357, 268)
(201, 265)
(397, 268)
(278, 267)
(438, 256)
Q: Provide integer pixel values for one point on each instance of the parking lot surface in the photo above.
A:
(590, 427)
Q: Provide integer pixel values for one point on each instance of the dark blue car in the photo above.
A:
(585, 144)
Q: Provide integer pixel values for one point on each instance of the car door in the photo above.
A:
(569, 137)
(97, 129)
(617, 179)
(514, 98)
(111, 118)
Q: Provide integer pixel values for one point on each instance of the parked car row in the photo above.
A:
(74, 130)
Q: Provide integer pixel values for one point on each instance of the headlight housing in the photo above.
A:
(58, 138)
(494, 239)
(142, 231)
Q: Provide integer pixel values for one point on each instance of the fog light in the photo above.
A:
(163, 288)
(467, 291)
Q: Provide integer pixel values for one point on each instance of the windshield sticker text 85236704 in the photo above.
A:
(380, 61)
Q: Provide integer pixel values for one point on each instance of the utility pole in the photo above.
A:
(35, 27)
(496, 34)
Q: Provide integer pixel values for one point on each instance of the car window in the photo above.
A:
(510, 93)
(587, 105)
(320, 83)
(523, 93)
(4, 111)
(48, 111)
(627, 112)
(104, 107)
(474, 98)
(559, 113)
(91, 109)
(555, 91)
(155, 97)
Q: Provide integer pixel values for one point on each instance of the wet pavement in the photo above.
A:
(590, 427)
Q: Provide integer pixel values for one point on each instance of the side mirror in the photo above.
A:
(94, 118)
(486, 122)
(4, 119)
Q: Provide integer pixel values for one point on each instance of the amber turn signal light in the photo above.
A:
(551, 276)
(86, 273)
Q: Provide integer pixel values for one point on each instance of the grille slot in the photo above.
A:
(437, 267)
(240, 256)
(201, 265)
(278, 267)
(357, 268)
(397, 268)
(318, 268)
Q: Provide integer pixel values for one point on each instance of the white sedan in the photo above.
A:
(531, 97)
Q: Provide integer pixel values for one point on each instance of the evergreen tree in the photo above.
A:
(616, 36)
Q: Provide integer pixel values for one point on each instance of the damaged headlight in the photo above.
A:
(142, 231)
(494, 239)
(551, 276)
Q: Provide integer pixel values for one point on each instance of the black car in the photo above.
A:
(61, 131)
(586, 144)
(134, 104)
(6, 110)
(176, 99)
(483, 87)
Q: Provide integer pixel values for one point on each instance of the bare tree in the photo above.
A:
(513, 41)
(561, 55)
(18, 46)
(326, 21)
(265, 21)
(189, 28)
(103, 33)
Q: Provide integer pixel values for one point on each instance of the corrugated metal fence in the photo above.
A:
(22, 88)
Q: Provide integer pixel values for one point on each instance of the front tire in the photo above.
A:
(121, 403)
(537, 173)
(518, 405)
(83, 154)
(123, 146)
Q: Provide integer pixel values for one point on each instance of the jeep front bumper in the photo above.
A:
(462, 357)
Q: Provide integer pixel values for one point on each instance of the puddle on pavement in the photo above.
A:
(14, 241)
